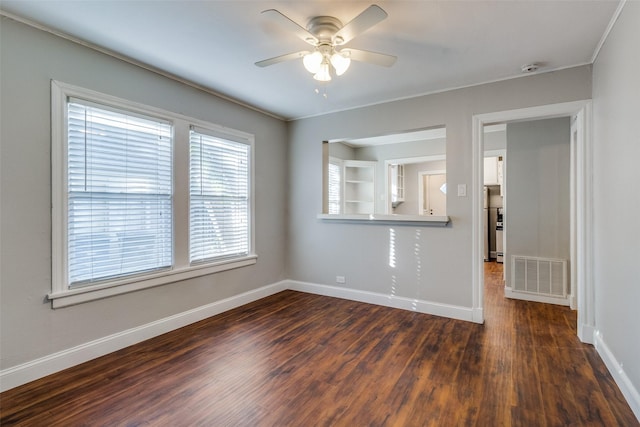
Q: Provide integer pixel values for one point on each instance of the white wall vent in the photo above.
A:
(541, 276)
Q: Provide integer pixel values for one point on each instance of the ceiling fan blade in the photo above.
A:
(361, 23)
(370, 57)
(292, 26)
(281, 58)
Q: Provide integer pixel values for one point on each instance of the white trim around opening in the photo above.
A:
(581, 218)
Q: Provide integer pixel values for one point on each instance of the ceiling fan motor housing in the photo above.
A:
(324, 28)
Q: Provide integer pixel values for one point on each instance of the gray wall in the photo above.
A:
(403, 150)
(495, 140)
(29, 327)
(433, 263)
(616, 94)
(341, 151)
(537, 215)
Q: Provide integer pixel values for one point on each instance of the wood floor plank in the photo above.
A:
(494, 390)
(296, 359)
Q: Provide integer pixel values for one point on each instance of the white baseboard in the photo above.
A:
(30, 371)
(586, 333)
(412, 304)
(478, 315)
(510, 293)
(622, 380)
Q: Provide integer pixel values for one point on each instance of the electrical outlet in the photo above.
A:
(341, 279)
(462, 190)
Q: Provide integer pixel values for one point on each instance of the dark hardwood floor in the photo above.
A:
(296, 359)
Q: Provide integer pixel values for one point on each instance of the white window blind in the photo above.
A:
(119, 181)
(219, 197)
(334, 187)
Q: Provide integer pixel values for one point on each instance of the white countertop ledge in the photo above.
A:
(387, 219)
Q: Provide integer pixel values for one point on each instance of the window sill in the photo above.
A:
(387, 219)
(90, 293)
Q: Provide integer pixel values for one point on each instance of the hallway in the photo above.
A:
(550, 367)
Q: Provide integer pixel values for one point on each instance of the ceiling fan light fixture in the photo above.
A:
(313, 61)
(326, 34)
(323, 75)
(340, 63)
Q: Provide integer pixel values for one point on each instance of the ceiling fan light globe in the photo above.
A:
(312, 62)
(340, 63)
(323, 75)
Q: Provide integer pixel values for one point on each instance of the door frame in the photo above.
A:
(581, 236)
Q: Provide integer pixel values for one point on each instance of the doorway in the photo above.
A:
(533, 215)
(581, 203)
(432, 188)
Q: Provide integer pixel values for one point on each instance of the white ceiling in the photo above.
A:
(439, 44)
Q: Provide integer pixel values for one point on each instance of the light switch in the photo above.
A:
(462, 190)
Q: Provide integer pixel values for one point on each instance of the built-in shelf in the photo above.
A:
(387, 219)
(359, 187)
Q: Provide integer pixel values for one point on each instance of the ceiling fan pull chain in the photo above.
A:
(322, 92)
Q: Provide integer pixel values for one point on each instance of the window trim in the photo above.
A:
(61, 294)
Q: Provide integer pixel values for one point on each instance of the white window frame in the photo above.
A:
(61, 294)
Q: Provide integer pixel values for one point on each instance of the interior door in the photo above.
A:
(435, 194)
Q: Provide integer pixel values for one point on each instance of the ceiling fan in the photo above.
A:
(326, 34)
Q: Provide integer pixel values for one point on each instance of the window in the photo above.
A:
(335, 186)
(119, 192)
(219, 197)
(143, 197)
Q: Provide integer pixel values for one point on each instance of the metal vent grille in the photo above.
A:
(542, 276)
